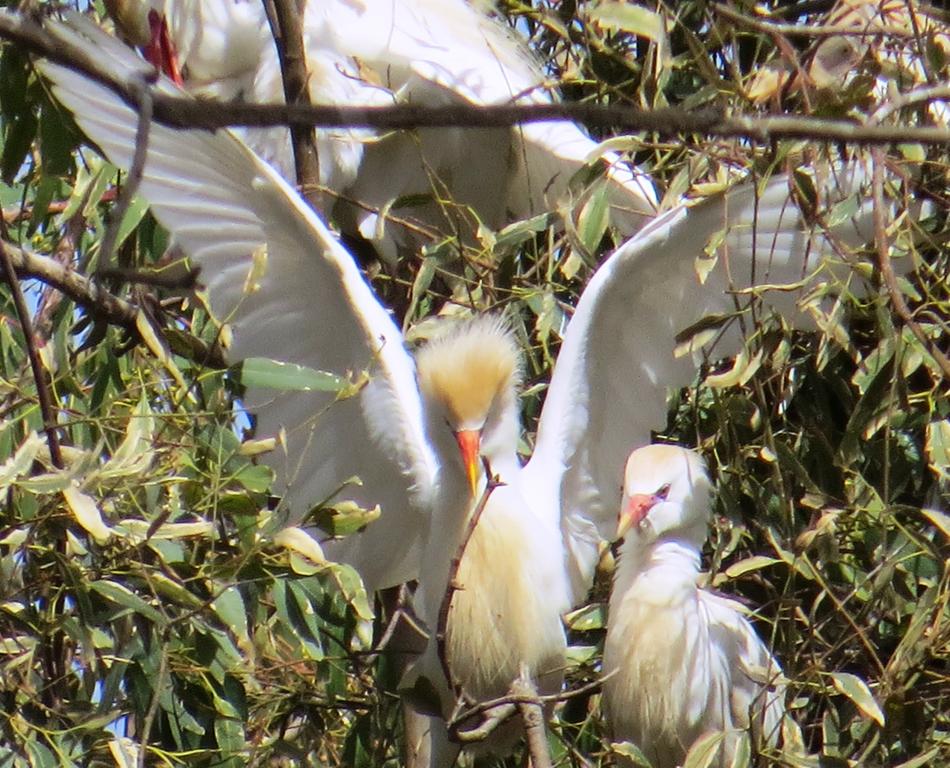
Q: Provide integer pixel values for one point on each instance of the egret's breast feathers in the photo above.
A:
(501, 615)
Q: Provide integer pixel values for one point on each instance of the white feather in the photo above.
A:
(426, 52)
(680, 662)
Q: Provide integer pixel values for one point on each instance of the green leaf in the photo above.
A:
(925, 758)
(857, 690)
(124, 597)
(271, 374)
(938, 447)
(56, 142)
(87, 514)
(344, 517)
(229, 606)
(40, 756)
(19, 464)
(626, 17)
(632, 752)
(704, 751)
(589, 617)
(17, 143)
(133, 216)
(134, 454)
(594, 218)
(750, 564)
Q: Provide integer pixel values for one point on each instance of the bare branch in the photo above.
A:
(497, 715)
(284, 19)
(532, 715)
(99, 303)
(180, 112)
(810, 30)
(548, 698)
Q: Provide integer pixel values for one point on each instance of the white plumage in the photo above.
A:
(379, 52)
(308, 304)
(679, 662)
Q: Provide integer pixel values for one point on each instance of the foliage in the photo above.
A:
(145, 608)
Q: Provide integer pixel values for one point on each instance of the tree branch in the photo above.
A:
(39, 375)
(181, 112)
(532, 715)
(101, 304)
(284, 19)
(873, 28)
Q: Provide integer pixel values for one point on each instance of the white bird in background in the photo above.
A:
(679, 662)
(383, 52)
(291, 292)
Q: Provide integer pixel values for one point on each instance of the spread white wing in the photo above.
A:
(609, 386)
(448, 51)
(237, 219)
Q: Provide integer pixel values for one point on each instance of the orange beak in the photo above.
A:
(634, 512)
(469, 442)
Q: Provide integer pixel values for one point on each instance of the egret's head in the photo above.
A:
(666, 495)
(469, 379)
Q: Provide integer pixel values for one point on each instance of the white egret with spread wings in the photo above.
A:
(417, 429)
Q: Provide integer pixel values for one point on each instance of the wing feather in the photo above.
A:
(755, 688)
(225, 208)
(609, 386)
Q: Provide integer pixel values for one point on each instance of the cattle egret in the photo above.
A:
(291, 292)
(679, 661)
(384, 52)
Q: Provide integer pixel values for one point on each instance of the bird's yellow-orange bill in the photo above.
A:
(469, 442)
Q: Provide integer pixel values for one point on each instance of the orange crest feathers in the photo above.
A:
(468, 367)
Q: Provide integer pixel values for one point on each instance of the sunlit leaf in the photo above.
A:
(87, 513)
(271, 374)
(857, 690)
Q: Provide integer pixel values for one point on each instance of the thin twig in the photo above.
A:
(284, 19)
(808, 30)
(919, 95)
(53, 651)
(183, 112)
(548, 698)
(158, 683)
(143, 96)
(887, 269)
(39, 375)
(497, 715)
(441, 627)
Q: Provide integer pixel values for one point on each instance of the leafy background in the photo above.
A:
(147, 614)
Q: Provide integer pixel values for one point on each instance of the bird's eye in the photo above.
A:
(663, 492)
